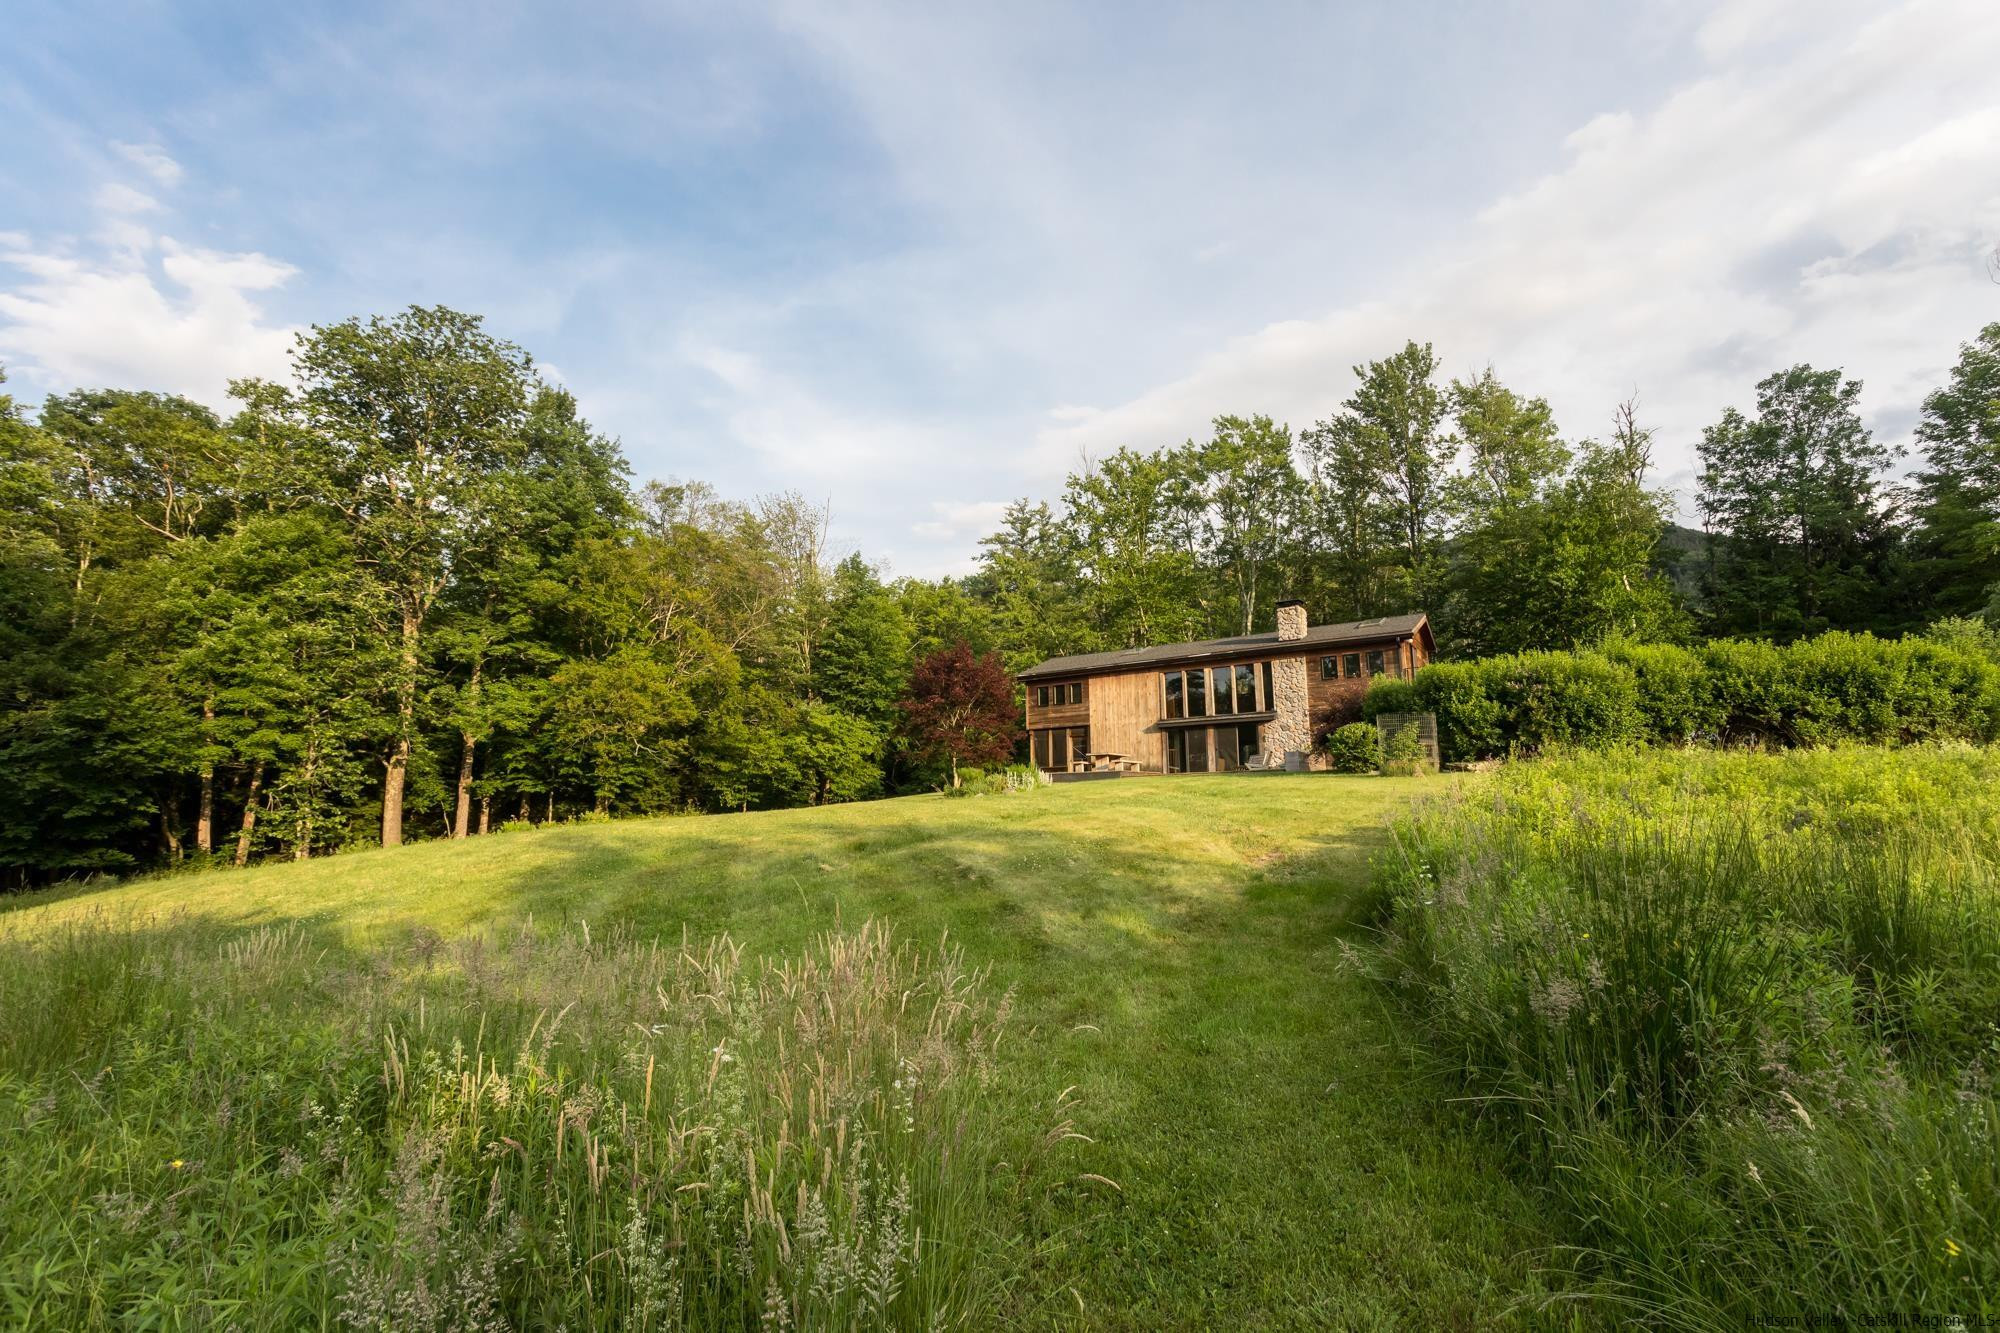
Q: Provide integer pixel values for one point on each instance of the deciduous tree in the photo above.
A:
(961, 710)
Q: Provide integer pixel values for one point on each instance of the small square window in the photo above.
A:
(1076, 692)
(1326, 669)
(1041, 696)
(1350, 665)
(1375, 663)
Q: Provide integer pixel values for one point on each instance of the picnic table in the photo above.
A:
(1105, 761)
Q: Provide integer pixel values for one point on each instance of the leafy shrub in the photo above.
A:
(1674, 693)
(1391, 694)
(1737, 1008)
(1012, 778)
(1355, 748)
(1821, 691)
(1022, 777)
(1564, 699)
(1403, 753)
(1471, 723)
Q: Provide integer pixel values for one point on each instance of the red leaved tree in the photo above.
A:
(960, 708)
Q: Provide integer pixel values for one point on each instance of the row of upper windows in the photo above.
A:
(1224, 690)
(1347, 666)
(1218, 691)
(1057, 695)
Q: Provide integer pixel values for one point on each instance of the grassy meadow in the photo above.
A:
(1087, 1056)
(1738, 1012)
(1675, 1038)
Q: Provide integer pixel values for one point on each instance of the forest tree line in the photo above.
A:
(413, 593)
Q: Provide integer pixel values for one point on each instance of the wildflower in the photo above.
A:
(1951, 1250)
(1755, 1174)
(176, 1164)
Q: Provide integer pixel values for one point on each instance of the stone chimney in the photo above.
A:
(1291, 620)
(1289, 732)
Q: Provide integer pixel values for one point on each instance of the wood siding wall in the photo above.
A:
(1123, 712)
(1339, 701)
(1064, 714)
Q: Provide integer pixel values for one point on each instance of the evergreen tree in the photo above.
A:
(864, 662)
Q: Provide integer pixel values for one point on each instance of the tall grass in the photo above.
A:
(1736, 1010)
(508, 1129)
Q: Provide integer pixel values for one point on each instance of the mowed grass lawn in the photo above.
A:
(1175, 948)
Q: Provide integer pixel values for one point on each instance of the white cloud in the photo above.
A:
(960, 520)
(183, 321)
(115, 197)
(1831, 204)
(151, 159)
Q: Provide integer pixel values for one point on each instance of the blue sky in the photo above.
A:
(918, 260)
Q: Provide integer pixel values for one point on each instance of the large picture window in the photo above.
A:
(1225, 749)
(1197, 694)
(1246, 688)
(1222, 695)
(1056, 748)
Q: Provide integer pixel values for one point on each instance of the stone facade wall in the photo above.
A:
(1289, 734)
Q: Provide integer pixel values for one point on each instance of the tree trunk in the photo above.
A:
(204, 825)
(485, 815)
(397, 767)
(170, 837)
(302, 849)
(526, 814)
(249, 814)
(550, 818)
(394, 771)
(462, 825)
(459, 829)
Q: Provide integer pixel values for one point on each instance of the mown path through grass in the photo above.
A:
(1174, 944)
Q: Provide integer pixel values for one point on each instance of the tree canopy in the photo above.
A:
(411, 592)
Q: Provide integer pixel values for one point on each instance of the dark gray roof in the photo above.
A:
(1318, 636)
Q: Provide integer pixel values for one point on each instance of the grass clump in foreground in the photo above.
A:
(1739, 1011)
(509, 1130)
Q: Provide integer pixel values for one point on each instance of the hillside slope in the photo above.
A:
(1173, 946)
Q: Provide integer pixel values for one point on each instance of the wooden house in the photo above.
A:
(1217, 705)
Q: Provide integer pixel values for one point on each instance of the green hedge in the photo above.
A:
(1837, 687)
(1355, 748)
